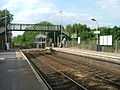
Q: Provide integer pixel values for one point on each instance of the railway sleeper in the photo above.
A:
(61, 84)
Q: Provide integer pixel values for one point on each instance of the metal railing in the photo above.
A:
(33, 27)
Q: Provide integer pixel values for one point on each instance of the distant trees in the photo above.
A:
(81, 30)
(26, 40)
(115, 32)
(87, 33)
(9, 17)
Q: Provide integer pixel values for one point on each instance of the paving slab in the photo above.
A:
(16, 74)
(111, 57)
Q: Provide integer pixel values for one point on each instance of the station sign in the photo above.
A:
(106, 40)
(96, 32)
(74, 36)
(78, 40)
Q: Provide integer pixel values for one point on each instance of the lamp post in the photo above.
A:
(4, 37)
(6, 29)
(97, 32)
(61, 14)
(5, 17)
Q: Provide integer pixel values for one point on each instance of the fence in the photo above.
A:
(91, 45)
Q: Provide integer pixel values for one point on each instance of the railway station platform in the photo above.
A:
(16, 73)
(109, 57)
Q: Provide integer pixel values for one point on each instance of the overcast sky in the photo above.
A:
(106, 12)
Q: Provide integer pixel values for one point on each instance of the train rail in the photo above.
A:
(106, 76)
(96, 76)
(56, 79)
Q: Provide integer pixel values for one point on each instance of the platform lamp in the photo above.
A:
(61, 14)
(97, 32)
(5, 28)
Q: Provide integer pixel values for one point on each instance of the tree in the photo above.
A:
(69, 29)
(115, 32)
(8, 15)
(81, 30)
(45, 23)
(28, 37)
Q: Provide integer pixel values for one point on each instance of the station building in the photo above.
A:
(40, 41)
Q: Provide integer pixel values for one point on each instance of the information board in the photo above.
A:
(106, 40)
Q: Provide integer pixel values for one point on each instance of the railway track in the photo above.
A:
(106, 76)
(54, 77)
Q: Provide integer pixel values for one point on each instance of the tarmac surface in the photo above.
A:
(16, 74)
(105, 56)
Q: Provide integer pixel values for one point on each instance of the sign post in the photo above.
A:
(74, 37)
(78, 40)
(98, 40)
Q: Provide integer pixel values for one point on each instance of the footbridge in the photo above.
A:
(34, 27)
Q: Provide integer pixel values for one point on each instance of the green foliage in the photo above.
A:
(86, 33)
(115, 32)
(45, 23)
(2, 17)
(81, 30)
(28, 37)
